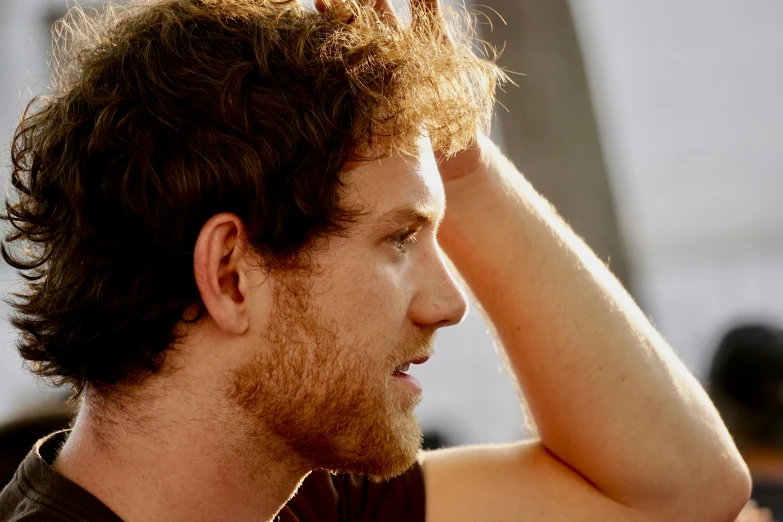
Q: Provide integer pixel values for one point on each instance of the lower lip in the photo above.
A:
(408, 380)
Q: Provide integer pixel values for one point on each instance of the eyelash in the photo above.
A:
(400, 239)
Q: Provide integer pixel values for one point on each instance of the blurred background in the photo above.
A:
(654, 127)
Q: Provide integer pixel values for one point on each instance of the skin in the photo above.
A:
(371, 302)
(270, 359)
(605, 453)
(626, 433)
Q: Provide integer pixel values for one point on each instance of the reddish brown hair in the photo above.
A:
(165, 113)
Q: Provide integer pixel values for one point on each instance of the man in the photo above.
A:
(234, 219)
(746, 383)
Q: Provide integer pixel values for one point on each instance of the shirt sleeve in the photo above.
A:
(326, 497)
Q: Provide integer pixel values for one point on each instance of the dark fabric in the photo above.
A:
(38, 493)
(20, 434)
(769, 494)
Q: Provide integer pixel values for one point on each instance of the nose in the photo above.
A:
(439, 300)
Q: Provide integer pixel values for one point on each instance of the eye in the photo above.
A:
(403, 238)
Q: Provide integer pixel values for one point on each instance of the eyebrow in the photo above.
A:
(413, 214)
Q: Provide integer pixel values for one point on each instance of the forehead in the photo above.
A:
(397, 183)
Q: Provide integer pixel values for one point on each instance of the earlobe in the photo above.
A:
(220, 270)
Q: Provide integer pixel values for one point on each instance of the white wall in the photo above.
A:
(690, 106)
(24, 42)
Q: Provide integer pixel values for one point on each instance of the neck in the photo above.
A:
(187, 466)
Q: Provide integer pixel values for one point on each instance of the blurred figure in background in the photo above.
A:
(746, 384)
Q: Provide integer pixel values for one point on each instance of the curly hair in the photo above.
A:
(164, 113)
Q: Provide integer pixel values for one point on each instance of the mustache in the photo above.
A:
(419, 344)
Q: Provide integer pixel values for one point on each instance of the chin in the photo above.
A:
(379, 453)
(399, 460)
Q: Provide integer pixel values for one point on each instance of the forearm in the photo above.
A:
(609, 397)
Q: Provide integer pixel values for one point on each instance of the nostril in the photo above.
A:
(455, 314)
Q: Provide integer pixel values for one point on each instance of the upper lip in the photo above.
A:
(422, 359)
(419, 360)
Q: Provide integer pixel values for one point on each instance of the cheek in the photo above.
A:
(383, 295)
(371, 297)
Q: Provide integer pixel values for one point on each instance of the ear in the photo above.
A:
(221, 270)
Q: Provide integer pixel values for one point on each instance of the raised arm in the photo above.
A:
(626, 433)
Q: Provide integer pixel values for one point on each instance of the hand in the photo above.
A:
(469, 160)
(465, 162)
(384, 7)
(753, 513)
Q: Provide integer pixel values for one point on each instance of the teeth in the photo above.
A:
(403, 368)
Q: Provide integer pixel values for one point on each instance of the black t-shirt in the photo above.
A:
(38, 493)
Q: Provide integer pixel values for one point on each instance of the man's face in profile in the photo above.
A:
(324, 375)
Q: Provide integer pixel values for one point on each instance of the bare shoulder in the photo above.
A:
(513, 482)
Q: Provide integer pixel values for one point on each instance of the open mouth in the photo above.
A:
(401, 369)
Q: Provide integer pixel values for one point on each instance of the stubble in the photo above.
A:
(323, 397)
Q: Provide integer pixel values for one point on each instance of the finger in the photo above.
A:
(432, 6)
(385, 10)
(427, 10)
(428, 13)
(337, 9)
